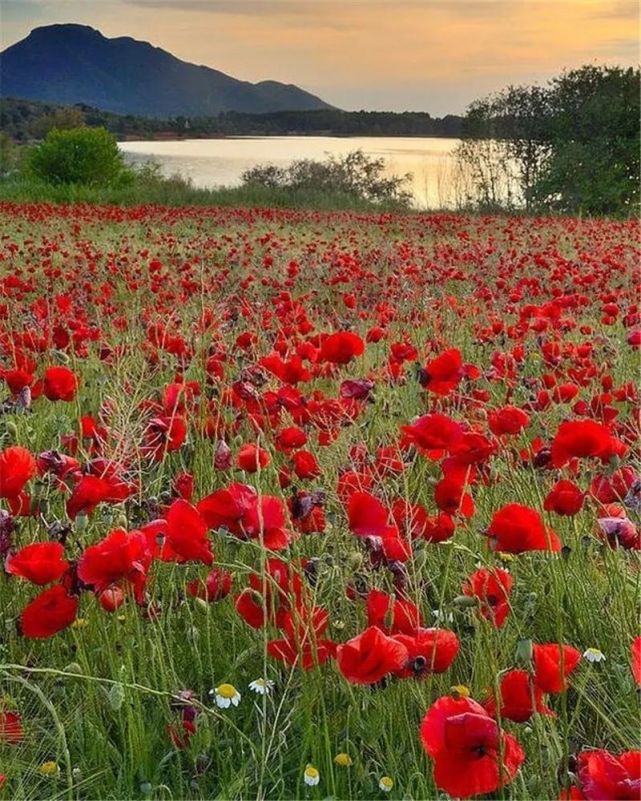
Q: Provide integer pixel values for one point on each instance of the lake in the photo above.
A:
(220, 162)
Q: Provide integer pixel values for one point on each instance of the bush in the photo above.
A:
(85, 156)
(353, 175)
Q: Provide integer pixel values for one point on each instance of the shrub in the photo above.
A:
(87, 156)
(354, 175)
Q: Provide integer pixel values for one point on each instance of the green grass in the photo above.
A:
(177, 192)
(97, 698)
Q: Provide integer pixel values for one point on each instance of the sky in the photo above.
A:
(396, 55)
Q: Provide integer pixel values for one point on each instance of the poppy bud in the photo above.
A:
(524, 651)
(12, 429)
(81, 522)
(465, 601)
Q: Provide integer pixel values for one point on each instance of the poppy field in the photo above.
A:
(318, 505)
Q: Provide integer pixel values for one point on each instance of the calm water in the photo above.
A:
(220, 162)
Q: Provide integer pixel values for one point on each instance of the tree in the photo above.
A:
(594, 134)
(571, 146)
(62, 119)
(78, 156)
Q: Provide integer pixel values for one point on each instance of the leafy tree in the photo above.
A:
(593, 128)
(87, 156)
(571, 146)
(62, 118)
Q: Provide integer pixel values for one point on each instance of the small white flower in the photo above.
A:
(311, 776)
(261, 686)
(594, 655)
(442, 617)
(386, 783)
(225, 696)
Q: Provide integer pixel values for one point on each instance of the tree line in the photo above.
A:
(25, 120)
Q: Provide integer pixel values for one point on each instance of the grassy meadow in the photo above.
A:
(386, 386)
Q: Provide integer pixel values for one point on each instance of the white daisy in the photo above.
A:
(225, 695)
(594, 655)
(386, 783)
(261, 686)
(311, 776)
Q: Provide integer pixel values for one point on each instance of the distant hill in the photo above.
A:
(71, 64)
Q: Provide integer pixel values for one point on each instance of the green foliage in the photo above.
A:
(572, 146)
(23, 120)
(9, 154)
(353, 175)
(83, 156)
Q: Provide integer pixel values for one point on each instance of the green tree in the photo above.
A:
(62, 118)
(87, 156)
(571, 146)
(594, 135)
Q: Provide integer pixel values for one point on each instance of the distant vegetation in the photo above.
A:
(352, 175)
(25, 120)
(570, 146)
(85, 165)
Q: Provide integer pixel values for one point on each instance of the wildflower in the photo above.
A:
(460, 691)
(593, 655)
(80, 623)
(48, 613)
(343, 760)
(261, 686)
(386, 783)
(311, 776)
(225, 696)
(471, 754)
(49, 768)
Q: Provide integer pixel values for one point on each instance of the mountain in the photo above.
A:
(76, 64)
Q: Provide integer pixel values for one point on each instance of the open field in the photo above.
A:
(275, 484)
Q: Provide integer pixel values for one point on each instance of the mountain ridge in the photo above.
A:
(71, 63)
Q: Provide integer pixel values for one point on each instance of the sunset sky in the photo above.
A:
(431, 55)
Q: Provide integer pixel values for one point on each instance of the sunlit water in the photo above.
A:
(220, 162)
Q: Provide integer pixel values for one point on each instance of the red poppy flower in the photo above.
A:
(581, 439)
(185, 535)
(443, 373)
(370, 656)
(434, 433)
(508, 420)
(93, 490)
(565, 498)
(516, 528)
(520, 698)
(605, 776)
(552, 664)
(11, 730)
(395, 615)
(60, 383)
(368, 517)
(451, 497)
(428, 651)
(216, 586)
(251, 458)
(303, 643)
(17, 466)
(466, 745)
(635, 659)
(341, 347)
(120, 556)
(50, 612)
(305, 465)
(492, 588)
(40, 563)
